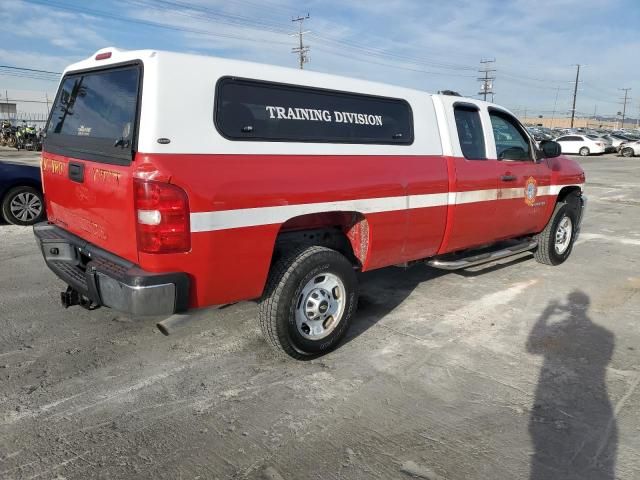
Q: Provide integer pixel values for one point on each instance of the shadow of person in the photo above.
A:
(572, 423)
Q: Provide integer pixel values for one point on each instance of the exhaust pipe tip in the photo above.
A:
(174, 322)
(163, 329)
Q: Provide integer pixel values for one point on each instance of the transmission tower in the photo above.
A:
(486, 87)
(301, 50)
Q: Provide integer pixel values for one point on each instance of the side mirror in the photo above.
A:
(550, 149)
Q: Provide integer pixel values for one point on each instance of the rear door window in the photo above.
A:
(470, 133)
(94, 115)
(265, 111)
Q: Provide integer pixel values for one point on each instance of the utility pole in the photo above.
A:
(555, 103)
(486, 88)
(624, 103)
(301, 50)
(575, 94)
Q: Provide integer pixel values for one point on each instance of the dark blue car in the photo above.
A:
(21, 199)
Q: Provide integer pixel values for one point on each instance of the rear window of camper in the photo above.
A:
(264, 111)
(94, 115)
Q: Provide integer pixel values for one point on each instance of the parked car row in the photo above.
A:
(585, 142)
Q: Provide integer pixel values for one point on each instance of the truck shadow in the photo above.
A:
(384, 290)
(572, 423)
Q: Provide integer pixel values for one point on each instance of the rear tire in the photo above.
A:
(555, 242)
(584, 152)
(627, 152)
(310, 299)
(23, 206)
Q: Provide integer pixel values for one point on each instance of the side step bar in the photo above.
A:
(479, 259)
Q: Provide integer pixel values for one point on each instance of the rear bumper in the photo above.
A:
(109, 280)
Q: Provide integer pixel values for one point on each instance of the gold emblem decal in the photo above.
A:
(106, 176)
(54, 167)
(530, 191)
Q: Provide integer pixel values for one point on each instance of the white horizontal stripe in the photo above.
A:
(250, 217)
(511, 193)
(428, 200)
(555, 189)
(476, 196)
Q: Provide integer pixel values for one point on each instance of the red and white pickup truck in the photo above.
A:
(178, 181)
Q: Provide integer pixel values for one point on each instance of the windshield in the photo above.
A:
(94, 115)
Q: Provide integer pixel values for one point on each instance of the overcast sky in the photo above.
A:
(426, 44)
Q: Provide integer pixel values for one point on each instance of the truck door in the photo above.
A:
(473, 177)
(520, 208)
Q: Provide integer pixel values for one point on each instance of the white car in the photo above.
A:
(580, 144)
(630, 149)
(608, 143)
(617, 140)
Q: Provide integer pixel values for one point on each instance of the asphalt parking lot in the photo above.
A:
(511, 371)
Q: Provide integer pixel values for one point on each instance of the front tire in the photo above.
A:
(555, 242)
(23, 206)
(627, 152)
(584, 152)
(310, 299)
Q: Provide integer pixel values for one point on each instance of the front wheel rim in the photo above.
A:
(320, 306)
(564, 232)
(25, 206)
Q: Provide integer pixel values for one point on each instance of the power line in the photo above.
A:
(30, 70)
(207, 14)
(103, 14)
(30, 73)
(301, 50)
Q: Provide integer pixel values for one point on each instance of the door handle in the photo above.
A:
(508, 178)
(76, 172)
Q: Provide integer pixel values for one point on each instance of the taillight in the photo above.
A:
(162, 217)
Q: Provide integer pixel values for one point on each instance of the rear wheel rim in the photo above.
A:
(627, 152)
(584, 152)
(320, 306)
(25, 206)
(564, 232)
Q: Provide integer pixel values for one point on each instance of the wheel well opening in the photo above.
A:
(568, 191)
(345, 232)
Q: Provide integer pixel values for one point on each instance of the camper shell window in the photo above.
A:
(264, 111)
(95, 115)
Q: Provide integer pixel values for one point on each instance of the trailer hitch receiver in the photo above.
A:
(71, 297)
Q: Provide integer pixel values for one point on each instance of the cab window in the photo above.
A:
(470, 132)
(511, 142)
